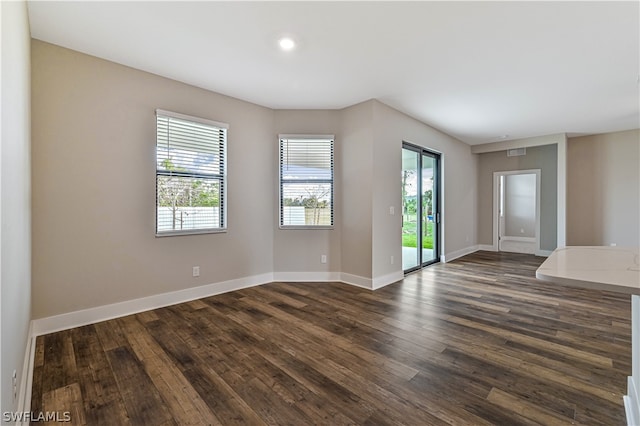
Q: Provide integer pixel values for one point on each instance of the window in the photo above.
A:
(190, 174)
(306, 181)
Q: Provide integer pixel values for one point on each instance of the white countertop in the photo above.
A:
(599, 268)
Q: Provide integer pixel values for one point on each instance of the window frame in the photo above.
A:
(281, 182)
(221, 178)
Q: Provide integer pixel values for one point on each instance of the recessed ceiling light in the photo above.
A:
(286, 43)
(503, 136)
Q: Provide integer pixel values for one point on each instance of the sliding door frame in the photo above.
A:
(436, 199)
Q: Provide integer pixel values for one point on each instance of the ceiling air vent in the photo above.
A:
(516, 152)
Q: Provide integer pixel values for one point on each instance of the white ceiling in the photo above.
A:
(475, 70)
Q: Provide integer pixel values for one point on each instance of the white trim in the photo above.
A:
(459, 253)
(96, 314)
(385, 280)
(115, 310)
(631, 400)
(543, 253)
(307, 227)
(522, 247)
(561, 215)
(495, 218)
(631, 405)
(26, 382)
(356, 280)
(200, 120)
(175, 233)
(519, 239)
(305, 136)
(486, 247)
(332, 181)
(306, 276)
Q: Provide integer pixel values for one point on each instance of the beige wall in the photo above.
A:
(372, 155)
(356, 152)
(300, 250)
(15, 212)
(94, 185)
(603, 194)
(538, 157)
(94, 193)
(459, 166)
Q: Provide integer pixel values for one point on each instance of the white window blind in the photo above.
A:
(190, 174)
(306, 181)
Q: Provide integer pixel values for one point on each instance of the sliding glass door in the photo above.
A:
(420, 207)
(410, 191)
(429, 208)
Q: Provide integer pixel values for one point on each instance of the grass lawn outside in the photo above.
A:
(409, 236)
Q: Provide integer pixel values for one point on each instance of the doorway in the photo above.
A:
(517, 211)
(420, 207)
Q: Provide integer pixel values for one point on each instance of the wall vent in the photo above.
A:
(516, 152)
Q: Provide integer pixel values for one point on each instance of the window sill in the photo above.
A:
(191, 232)
(316, 227)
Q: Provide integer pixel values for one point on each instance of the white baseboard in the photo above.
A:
(518, 239)
(631, 404)
(26, 379)
(115, 310)
(385, 280)
(102, 313)
(356, 280)
(306, 276)
(489, 247)
(632, 398)
(106, 312)
(518, 245)
(459, 253)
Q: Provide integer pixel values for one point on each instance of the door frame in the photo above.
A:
(436, 199)
(496, 205)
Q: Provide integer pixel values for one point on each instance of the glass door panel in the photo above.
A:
(410, 210)
(428, 209)
(420, 207)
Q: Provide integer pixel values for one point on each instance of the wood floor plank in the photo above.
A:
(141, 398)
(59, 368)
(38, 376)
(525, 409)
(597, 360)
(211, 373)
(102, 399)
(66, 403)
(110, 335)
(182, 400)
(476, 341)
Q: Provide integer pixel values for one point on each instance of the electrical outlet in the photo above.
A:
(196, 271)
(392, 210)
(323, 258)
(391, 260)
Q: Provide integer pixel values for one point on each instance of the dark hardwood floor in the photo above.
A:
(475, 341)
